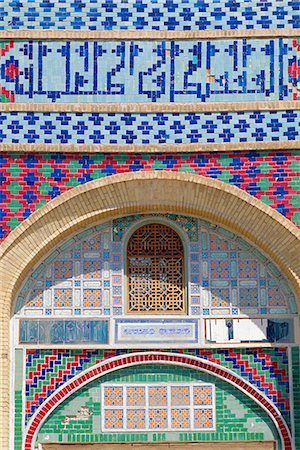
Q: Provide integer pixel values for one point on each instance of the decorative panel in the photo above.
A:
(37, 332)
(144, 129)
(149, 71)
(183, 406)
(224, 276)
(150, 15)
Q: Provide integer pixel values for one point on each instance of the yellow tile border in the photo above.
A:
(152, 107)
(150, 148)
(147, 34)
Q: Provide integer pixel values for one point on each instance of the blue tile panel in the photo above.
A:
(159, 128)
(63, 331)
(149, 71)
(148, 15)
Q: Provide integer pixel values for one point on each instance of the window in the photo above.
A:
(155, 270)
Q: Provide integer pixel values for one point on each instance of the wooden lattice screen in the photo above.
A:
(155, 261)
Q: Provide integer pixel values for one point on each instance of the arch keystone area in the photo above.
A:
(138, 192)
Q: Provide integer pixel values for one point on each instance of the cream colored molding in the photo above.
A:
(150, 148)
(151, 107)
(147, 34)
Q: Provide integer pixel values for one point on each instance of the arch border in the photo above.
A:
(123, 361)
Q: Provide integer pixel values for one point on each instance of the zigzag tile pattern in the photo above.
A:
(46, 370)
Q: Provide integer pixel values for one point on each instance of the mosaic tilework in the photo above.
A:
(150, 15)
(148, 407)
(149, 71)
(235, 413)
(189, 225)
(267, 369)
(160, 128)
(30, 181)
(238, 281)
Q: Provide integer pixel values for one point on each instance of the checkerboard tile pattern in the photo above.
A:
(150, 15)
(29, 181)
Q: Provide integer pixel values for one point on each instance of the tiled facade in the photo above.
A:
(156, 15)
(149, 71)
(117, 102)
(143, 129)
(29, 181)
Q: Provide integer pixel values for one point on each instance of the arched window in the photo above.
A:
(155, 270)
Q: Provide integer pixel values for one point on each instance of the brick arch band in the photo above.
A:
(142, 358)
(130, 193)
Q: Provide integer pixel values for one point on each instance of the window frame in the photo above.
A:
(185, 274)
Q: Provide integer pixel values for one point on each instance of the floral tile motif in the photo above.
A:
(180, 395)
(158, 396)
(113, 396)
(276, 297)
(92, 244)
(180, 418)
(63, 269)
(63, 298)
(220, 297)
(91, 298)
(136, 396)
(247, 269)
(203, 418)
(37, 300)
(136, 419)
(219, 269)
(91, 269)
(217, 243)
(113, 419)
(202, 395)
(173, 406)
(248, 297)
(158, 419)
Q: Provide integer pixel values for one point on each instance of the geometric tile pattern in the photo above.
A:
(162, 358)
(226, 276)
(28, 181)
(147, 128)
(153, 406)
(149, 71)
(266, 369)
(150, 15)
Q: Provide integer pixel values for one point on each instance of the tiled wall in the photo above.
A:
(266, 369)
(237, 417)
(142, 129)
(151, 15)
(31, 180)
(149, 71)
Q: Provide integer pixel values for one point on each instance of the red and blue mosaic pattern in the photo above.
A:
(28, 181)
(47, 370)
(148, 15)
(149, 71)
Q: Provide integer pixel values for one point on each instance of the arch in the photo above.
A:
(117, 195)
(123, 361)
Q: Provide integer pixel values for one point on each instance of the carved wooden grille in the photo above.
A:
(155, 270)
